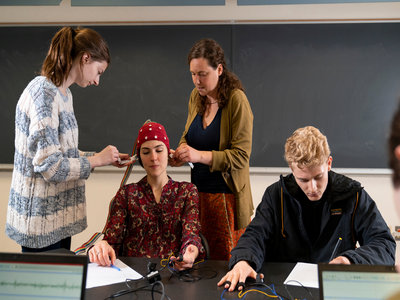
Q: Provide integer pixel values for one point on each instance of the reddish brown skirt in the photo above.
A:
(217, 218)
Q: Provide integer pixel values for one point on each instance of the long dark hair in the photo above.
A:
(68, 44)
(228, 81)
(393, 142)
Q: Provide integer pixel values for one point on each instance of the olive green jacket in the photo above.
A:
(232, 159)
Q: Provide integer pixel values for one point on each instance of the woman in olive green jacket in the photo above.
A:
(217, 139)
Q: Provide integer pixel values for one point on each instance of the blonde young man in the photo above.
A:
(303, 215)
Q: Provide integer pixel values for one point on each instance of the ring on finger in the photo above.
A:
(227, 282)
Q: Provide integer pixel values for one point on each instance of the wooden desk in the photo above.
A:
(204, 289)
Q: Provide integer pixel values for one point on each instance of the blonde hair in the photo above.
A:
(307, 147)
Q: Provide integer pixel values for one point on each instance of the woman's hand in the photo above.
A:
(102, 254)
(174, 161)
(189, 257)
(186, 153)
(123, 157)
(107, 156)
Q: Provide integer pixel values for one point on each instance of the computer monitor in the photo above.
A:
(339, 282)
(42, 276)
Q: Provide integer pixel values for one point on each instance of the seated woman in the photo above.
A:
(155, 217)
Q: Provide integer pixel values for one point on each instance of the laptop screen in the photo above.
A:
(42, 276)
(357, 282)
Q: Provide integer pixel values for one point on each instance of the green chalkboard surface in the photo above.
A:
(343, 78)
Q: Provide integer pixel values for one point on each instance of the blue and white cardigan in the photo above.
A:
(47, 197)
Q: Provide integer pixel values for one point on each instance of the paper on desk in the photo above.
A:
(304, 273)
(98, 275)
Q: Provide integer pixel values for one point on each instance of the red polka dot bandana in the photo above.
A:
(152, 131)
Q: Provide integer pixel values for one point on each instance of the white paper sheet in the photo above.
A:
(98, 276)
(304, 274)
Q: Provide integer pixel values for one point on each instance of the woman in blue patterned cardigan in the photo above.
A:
(47, 198)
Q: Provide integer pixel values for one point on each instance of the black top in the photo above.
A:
(311, 211)
(206, 140)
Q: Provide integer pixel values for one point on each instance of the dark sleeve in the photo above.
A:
(190, 220)
(252, 244)
(377, 245)
(114, 229)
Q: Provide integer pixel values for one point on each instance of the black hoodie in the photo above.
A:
(278, 232)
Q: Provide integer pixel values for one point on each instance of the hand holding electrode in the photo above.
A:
(174, 162)
(186, 260)
(126, 160)
(185, 153)
(107, 156)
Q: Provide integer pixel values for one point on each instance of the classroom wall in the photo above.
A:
(231, 12)
(103, 183)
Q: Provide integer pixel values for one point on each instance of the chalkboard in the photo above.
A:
(343, 78)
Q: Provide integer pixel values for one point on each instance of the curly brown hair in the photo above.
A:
(68, 44)
(227, 82)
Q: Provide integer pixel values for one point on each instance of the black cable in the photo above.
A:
(142, 288)
(188, 276)
(162, 288)
(184, 275)
(127, 281)
(124, 292)
(304, 287)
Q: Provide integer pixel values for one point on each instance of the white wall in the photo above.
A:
(231, 12)
(102, 185)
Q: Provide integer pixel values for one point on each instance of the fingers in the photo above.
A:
(340, 260)
(237, 276)
(124, 156)
(95, 256)
(108, 155)
(182, 153)
(112, 256)
(103, 258)
(102, 254)
(224, 281)
(238, 281)
(182, 262)
(124, 160)
(114, 152)
(92, 257)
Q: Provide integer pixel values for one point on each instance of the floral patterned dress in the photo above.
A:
(139, 226)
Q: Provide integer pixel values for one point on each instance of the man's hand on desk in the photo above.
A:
(102, 254)
(238, 274)
(340, 260)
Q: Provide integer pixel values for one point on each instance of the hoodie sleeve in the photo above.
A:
(377, 245)
(252, 244)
